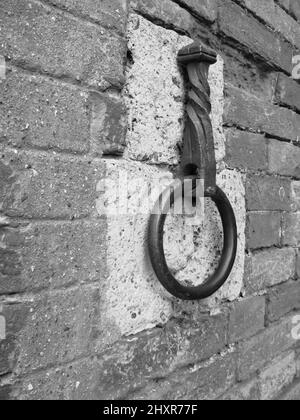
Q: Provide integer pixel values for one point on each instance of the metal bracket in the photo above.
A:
(198, 161)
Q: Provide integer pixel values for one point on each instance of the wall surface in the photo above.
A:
(92, 90)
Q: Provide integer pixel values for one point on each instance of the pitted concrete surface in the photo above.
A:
(133, 300)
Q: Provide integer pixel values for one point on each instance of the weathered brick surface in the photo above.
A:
(263, 229)
(166, 11)
(35, 185)
(291, 229)
(108, 125)
(292, 393)
(42, 113)
(246, 150)
(247, 391)
(267, 193)
(247, 318)
(203, 382)
(108, 13)
(279, 374)
(60, 327)
(254, 36)
(269, 268)
(206, 9)
(287, 92)
(295, 9)
(282, 300)
(247, 111)
(41, 255)
(276, 18)
(155, 354)
(36, 36)
(262, 348)
(284, 159)
(295, 195)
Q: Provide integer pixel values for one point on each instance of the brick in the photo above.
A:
(5, 392)
(295, 9)
(53, 42)
(75, 381)
(42, 255)
(282, 300)
(108, 13)
(247, 318)
(287, 92)
(292, 393)
(15, 316)
(295, 196)
(206, 9)
(267, 193)
(60, 327)
(166, 11)
(256, 352)
(158, 352)
(276, 18)
(246, 150)
(247, 111)
(247, 391)
(38, 112)
(204, 382)
(285, 4)
(269, 268)
(279, 374)
(263, 229)
(36, 185)
(298, 266)
(254, 36)
(108, 125)
(284, 159)
(291, 229)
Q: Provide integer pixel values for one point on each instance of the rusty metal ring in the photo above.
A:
(157, 255)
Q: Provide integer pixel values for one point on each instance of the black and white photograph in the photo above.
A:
(149, 203)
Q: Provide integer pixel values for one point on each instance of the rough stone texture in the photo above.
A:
(108, 125)
(269, 268)
(291, 229)
(40, 37)
(42, 113)
(254, 36)
(262, 348)
(248, 391)
(246, 150)
(206, 9)
(295, 9)
(263, 230)
(276, 18)
(36, 185)
(42, 255)
(247, 111)
(109, 13)
(247, 318)
(284, 159)
(295, 195)
(292, 393)
(278, 375)
(287, 92)
(267, 193)
(283, 300)
(154, 94)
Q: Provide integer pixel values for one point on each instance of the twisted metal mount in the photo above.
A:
(198, 156)
(198, 161)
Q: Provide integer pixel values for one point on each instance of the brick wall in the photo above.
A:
(83, 314)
